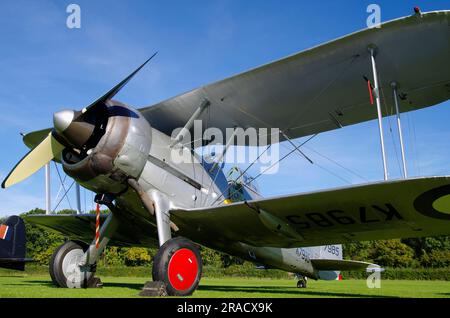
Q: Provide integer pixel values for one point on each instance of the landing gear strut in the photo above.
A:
(178, 265)
(74, 263)
(302, 281)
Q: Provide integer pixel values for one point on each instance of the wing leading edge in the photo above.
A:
(394, 209)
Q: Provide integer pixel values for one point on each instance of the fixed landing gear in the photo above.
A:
(74, 263)
(302, 281)
(178, 265)
(65, 270)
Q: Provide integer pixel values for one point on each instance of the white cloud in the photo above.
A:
(16, 201)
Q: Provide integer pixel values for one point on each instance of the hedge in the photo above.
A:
(404, 274)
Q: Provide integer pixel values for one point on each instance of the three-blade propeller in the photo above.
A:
(70, 129)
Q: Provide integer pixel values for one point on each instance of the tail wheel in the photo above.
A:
(64, 269)
(178, 265)
(302, 283)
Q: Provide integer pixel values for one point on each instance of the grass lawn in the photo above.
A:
(41, 286)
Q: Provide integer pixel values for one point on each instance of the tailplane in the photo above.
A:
(12, 244)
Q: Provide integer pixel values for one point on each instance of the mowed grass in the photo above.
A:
(35, 286)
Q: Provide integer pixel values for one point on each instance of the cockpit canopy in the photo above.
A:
(241, 185)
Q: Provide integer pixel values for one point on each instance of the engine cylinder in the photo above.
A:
(120, 153)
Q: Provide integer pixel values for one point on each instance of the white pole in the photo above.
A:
(77, 190)
(377, 98)
(48, 208)
(399, 126)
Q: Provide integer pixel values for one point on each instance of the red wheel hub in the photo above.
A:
(183, 269)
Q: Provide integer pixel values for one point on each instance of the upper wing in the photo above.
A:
(323, 88)
(82, 227)
(394, 209)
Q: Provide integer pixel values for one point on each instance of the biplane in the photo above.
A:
(125, 156)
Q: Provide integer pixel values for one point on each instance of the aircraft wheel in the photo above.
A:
(64, 269)
(178, 265)
(301, 283)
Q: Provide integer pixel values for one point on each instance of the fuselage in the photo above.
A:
(190, 182)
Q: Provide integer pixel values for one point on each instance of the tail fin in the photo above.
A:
(12, 244)
(328, 262)
(328, 253)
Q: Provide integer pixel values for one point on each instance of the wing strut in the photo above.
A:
(190, 122)
(48, 195)
(399, 126)
(372, 49)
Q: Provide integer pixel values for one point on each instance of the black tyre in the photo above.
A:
(178, 265)
(301, 283)
(64, 269)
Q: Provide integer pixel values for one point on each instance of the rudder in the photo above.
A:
(13, 244)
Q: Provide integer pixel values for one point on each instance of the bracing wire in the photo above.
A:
(218, 169)
(65, 195)
(64, 188)
(296, 148)
(338, 164)
(284, 157)
(329, 171)
(60, 188)
(243, 173)
(267, 169)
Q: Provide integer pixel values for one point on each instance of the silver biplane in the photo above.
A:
(124, 155)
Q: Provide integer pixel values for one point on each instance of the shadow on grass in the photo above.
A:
(137, 286)
(47, 283)
(282, 291)
(270, 290)
(13, 276)
(32, 283)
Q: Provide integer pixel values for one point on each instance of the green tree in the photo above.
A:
(392, 253)
(358, 251)
(436, 258)
(112, 256)
(41, 243)
(67, 211)
(210, 257)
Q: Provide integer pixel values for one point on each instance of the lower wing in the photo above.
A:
(384, 210)
(82, 227)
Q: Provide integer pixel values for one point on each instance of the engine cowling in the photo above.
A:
(117, 150)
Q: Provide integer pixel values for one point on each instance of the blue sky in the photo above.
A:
(46, 67)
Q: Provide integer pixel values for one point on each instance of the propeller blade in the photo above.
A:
(113, 91)
(34, 160)
(34, 138)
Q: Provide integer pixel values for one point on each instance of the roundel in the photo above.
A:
(434, 203)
